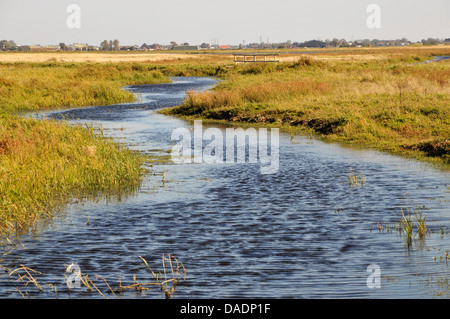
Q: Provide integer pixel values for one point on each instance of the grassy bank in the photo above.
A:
(43, 163)
(381, 99)
(37, 86)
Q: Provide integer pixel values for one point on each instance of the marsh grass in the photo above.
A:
(43, 163)
(414, 223)
(421, 222)
(172, 274)
(27, 278)
(408, 227)
(177, 270)
(37, 86)
(356, 178)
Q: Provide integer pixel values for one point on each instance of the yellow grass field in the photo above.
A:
(94, 57)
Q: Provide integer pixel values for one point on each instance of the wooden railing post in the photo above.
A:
(255, 58)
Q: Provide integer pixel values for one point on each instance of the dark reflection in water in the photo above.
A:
(303, 232)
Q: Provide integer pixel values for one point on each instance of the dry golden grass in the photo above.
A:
(94, 57)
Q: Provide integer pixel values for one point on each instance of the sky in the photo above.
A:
(228, 21)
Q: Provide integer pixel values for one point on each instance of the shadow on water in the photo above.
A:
(303, 232)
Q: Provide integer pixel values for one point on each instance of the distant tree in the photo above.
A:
(376, 42)
(204, 45)
(9, 45)
(173, 44)
(104, 45)
(63, 46)
(25, 48)
(3, 44)
(431, 41)
(335, 42)
(367, 42)
(116, 46)
(110, 46)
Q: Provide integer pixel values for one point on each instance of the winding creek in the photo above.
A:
(303, 232)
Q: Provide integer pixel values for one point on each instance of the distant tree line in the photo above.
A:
(6, 45)
(342, 43)
(114, 45)
(110, 45)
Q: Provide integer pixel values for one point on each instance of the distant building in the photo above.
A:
(24, 48)
(52, 48)
(78, 47)
(151, 47)
(447, 41)
(36, 47)
(144, 47)
(155, 46)
(224, 47)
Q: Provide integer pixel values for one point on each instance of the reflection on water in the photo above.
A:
(303, 232)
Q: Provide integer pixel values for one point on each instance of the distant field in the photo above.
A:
(95, 57)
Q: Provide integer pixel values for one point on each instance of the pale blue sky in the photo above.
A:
(231, 21)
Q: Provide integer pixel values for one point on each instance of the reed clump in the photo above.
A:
(356, 178)
(414, 223)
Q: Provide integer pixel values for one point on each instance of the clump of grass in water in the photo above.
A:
(356, 179)
(421, 222)
(408, 224)
(389, 228)
(177, 274)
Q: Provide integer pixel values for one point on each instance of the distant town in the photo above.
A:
(114, 45)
